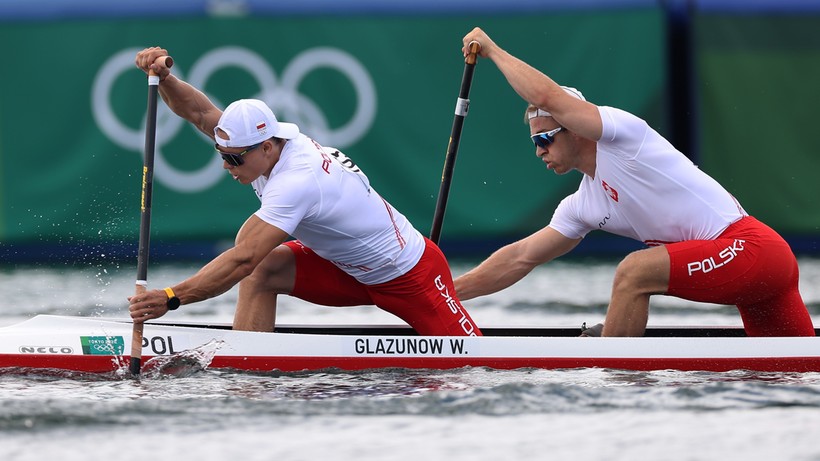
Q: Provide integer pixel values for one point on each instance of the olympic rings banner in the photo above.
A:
(382, 89)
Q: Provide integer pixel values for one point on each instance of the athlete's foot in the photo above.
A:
(593, 331)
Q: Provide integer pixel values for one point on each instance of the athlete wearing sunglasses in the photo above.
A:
(321, 233)
(545, 138)
(702, 245)
(235, 159)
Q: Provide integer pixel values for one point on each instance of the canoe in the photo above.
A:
(99, 345)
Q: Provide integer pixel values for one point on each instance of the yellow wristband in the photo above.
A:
(173, 302)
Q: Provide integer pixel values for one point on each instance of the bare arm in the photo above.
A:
(190, 104)
(185, 100)
(512, 262)
(581, 117)
(255, 240)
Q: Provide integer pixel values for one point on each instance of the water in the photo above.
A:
(467, 414)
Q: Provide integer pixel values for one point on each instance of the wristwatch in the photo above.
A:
(173, 302)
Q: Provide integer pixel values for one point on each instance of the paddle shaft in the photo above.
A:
(145, 208)
(462, 106)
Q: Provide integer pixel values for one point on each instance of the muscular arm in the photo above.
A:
(536, 88)
(190, 104)
(255, 240)
(512, 262)
(185, 100)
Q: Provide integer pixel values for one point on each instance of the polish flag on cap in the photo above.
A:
(237, 128)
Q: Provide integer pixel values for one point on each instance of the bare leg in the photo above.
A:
(256, 307)
(640, 275)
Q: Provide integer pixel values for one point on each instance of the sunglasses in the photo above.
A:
(236, 159)
(546, 138)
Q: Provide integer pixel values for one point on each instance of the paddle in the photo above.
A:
(145, 206)
(462, 106)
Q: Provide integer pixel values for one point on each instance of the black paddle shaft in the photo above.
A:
(145, 208)
(147, 185)
(145, 221)
(462, 106)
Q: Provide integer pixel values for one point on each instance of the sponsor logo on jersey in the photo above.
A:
(604, 221)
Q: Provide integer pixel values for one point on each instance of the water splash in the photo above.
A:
(182, 364)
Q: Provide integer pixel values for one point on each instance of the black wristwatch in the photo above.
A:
(173, 302)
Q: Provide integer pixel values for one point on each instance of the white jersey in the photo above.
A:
(645, 189)
(319, 196)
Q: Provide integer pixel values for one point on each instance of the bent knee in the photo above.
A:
(277, 272)
(644, 271)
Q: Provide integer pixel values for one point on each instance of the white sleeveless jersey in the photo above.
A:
(645, 189)
(319, 196)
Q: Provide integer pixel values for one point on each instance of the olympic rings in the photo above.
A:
(282, 96)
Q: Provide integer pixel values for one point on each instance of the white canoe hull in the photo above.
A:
(99, 345)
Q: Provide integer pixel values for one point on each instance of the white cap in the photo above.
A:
(250, 121)
(542, 113)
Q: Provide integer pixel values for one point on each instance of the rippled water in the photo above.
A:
(474, 413)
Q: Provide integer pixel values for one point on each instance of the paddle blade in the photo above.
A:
(135, 366)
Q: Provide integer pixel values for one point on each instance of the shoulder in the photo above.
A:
(618, 123)
(574, 203)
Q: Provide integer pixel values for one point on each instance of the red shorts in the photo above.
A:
(425, 297)
(750, 266)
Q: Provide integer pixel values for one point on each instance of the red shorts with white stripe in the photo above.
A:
(750, 266)
(424, 297)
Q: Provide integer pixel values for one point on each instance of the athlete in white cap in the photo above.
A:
(703, 246)
(352, 247)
